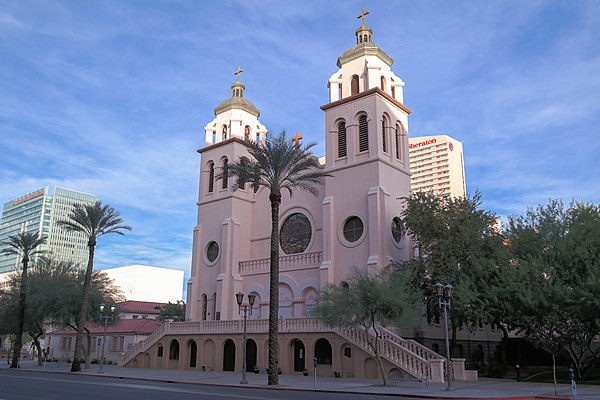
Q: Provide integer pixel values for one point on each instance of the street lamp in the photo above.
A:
(240, 299)
(444, 294)
(105, 316)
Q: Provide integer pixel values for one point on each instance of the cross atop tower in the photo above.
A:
(362, 15)
(238, 73)
(297, 139)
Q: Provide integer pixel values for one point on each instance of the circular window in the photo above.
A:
(212, 251)
(353, 229)
(397, 229)
(295, 234)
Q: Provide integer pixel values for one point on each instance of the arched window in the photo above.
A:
(310, 298)
(174, 350)
(384, 126)
(398, 134)
(363, 133)
(393, 91)
(204, 306)
(383, 85)
(342, 149)
(365, 39)
(323, 352)
(354, 85)
(241, 179)
(211, 176)
(247, 133)
(256, 183)
(225, 173)
(224, 132)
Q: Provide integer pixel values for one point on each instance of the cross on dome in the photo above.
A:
(363, 33)
(362, 15)
(238, 73)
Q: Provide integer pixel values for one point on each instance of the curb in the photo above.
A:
(296, 389)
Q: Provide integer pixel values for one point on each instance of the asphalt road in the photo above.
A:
(25, 385)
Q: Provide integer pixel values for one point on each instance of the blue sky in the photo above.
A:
(111, 97)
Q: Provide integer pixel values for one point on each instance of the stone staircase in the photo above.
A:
(408, 355)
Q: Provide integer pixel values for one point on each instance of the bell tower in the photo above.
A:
(366, 125)
(224, 215)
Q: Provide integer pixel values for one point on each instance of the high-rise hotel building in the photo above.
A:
(38, 211)
(437, 165)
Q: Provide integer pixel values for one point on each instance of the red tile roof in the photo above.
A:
(142, 307)
(142, 326)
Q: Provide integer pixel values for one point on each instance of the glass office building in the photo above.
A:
(39, 211)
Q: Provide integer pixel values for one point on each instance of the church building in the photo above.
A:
(353, 222)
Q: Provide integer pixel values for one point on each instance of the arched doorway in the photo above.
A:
(299, 355)
(193, 352)
(229, 356)
(323, 352)
(251, 357)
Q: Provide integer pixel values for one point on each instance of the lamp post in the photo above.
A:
(105, 316)
(240, 299)
(444, 294)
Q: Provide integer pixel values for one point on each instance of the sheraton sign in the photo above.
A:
(420, 144)
(30, 196)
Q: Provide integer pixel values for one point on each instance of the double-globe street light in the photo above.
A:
(105, 316)
(240, 299)
(444, 294)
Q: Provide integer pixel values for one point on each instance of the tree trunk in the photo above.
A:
(554, 373)
(376, 351)
(21, 316)
(36, 342)
(503, 345)
(81, 318)
(88, 348)
(272, 376)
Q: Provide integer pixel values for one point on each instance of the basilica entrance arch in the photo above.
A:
(229, 355)
(299, 355)
(251, 356)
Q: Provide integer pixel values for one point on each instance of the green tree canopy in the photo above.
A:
(24, 245)
(557, 252)
(93, 221)
(366, 302)
(174, 311)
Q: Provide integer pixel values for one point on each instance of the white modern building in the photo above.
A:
(437, 165)
(39, 211)
(146, 283)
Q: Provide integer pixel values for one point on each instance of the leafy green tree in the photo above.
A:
(92, 221)
(24, 245)
(459, 243)
(174, 311)
(278, 165)
(53, 296)
(366, 302)
(557, 251)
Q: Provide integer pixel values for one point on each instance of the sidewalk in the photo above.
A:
(482, 389)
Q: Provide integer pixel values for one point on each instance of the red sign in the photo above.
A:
(29, 197)
(450, 146)
(424, 143)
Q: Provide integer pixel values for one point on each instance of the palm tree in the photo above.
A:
(93, 221)
(22, 245)
(278, 164)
